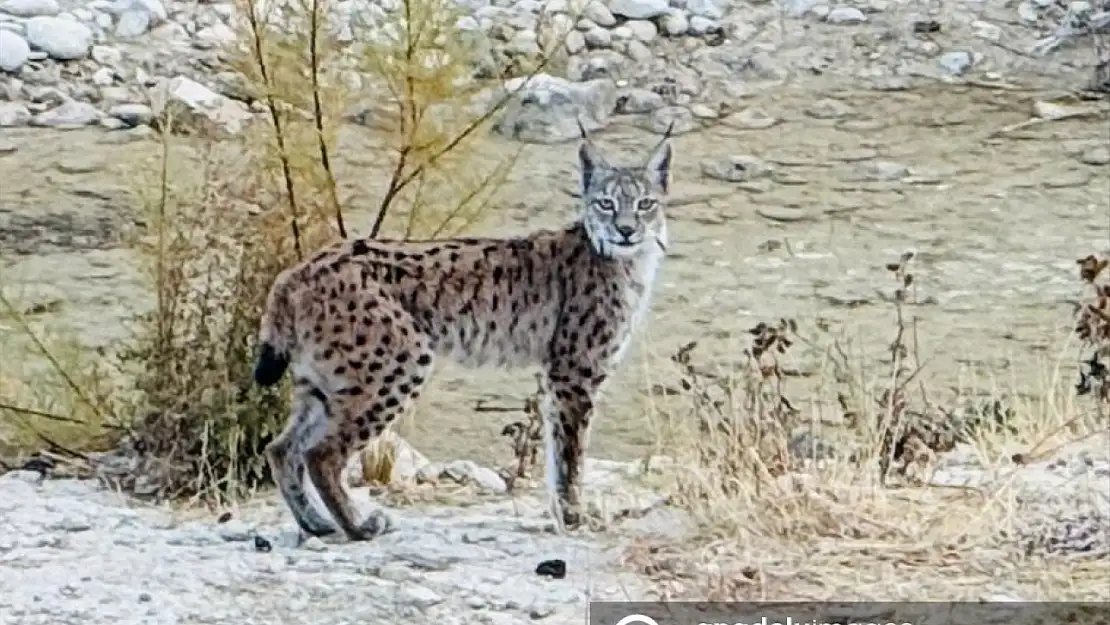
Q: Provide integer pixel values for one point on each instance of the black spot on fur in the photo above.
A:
(270, 366)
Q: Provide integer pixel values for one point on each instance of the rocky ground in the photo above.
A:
(65, 63)
(816, 142)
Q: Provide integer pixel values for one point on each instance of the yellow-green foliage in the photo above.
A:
(53, 394)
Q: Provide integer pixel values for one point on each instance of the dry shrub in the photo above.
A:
(794, 500)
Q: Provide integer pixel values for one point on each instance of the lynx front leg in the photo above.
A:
(566, 420)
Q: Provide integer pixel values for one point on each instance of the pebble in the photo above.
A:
(1098, 156)
(639, 9)
(68, 115)
(956, 62)
(845, 15)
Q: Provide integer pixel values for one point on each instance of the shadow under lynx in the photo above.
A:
(361, 323)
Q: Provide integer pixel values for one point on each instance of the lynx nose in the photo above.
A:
(625, 230)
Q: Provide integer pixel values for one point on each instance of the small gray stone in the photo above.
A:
(882, 170)
(637, 101)
(955, 63)
(14, 51)
(313, 543)
(678, 118)
(735, 169)
(846, 15)
(420, 596)
(752, 118)
(828, 108)
(703, 111)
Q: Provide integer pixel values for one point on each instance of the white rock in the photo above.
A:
(524, 42)
(218, 33)
(576, 42)
(642, 30)
(956, 62)
(599, 14)
(14, 51)
(798, 8)
(188, 99)
(13, 114)
(106, 56)
(30, 8)
(1027, 13)
(69, 114)
(154, 9)
(846, 15)
(549, 109)
(638, 52)
(61, 39)
(639, 9)
(986, 30)
(104, 77)
(132, 24)
(468, 23)
(675, 23)
(701, 25)
(713, 9)
(599, 38)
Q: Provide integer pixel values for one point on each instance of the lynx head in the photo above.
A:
(623, 206)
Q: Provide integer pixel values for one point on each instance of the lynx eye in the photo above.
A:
(605, 204)
(646, 204)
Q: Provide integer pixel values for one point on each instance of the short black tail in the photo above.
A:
(270, 366)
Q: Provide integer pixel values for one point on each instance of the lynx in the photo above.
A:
(361, 323)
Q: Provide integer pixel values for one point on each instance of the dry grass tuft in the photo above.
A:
(796, 504)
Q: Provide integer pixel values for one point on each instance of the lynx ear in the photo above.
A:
(658, 166)
(589, 161)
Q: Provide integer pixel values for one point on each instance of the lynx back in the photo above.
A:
(362, 322)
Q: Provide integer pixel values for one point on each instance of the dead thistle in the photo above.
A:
(526, 437)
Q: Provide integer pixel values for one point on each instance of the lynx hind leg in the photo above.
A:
(373, 384)
(286, 458)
